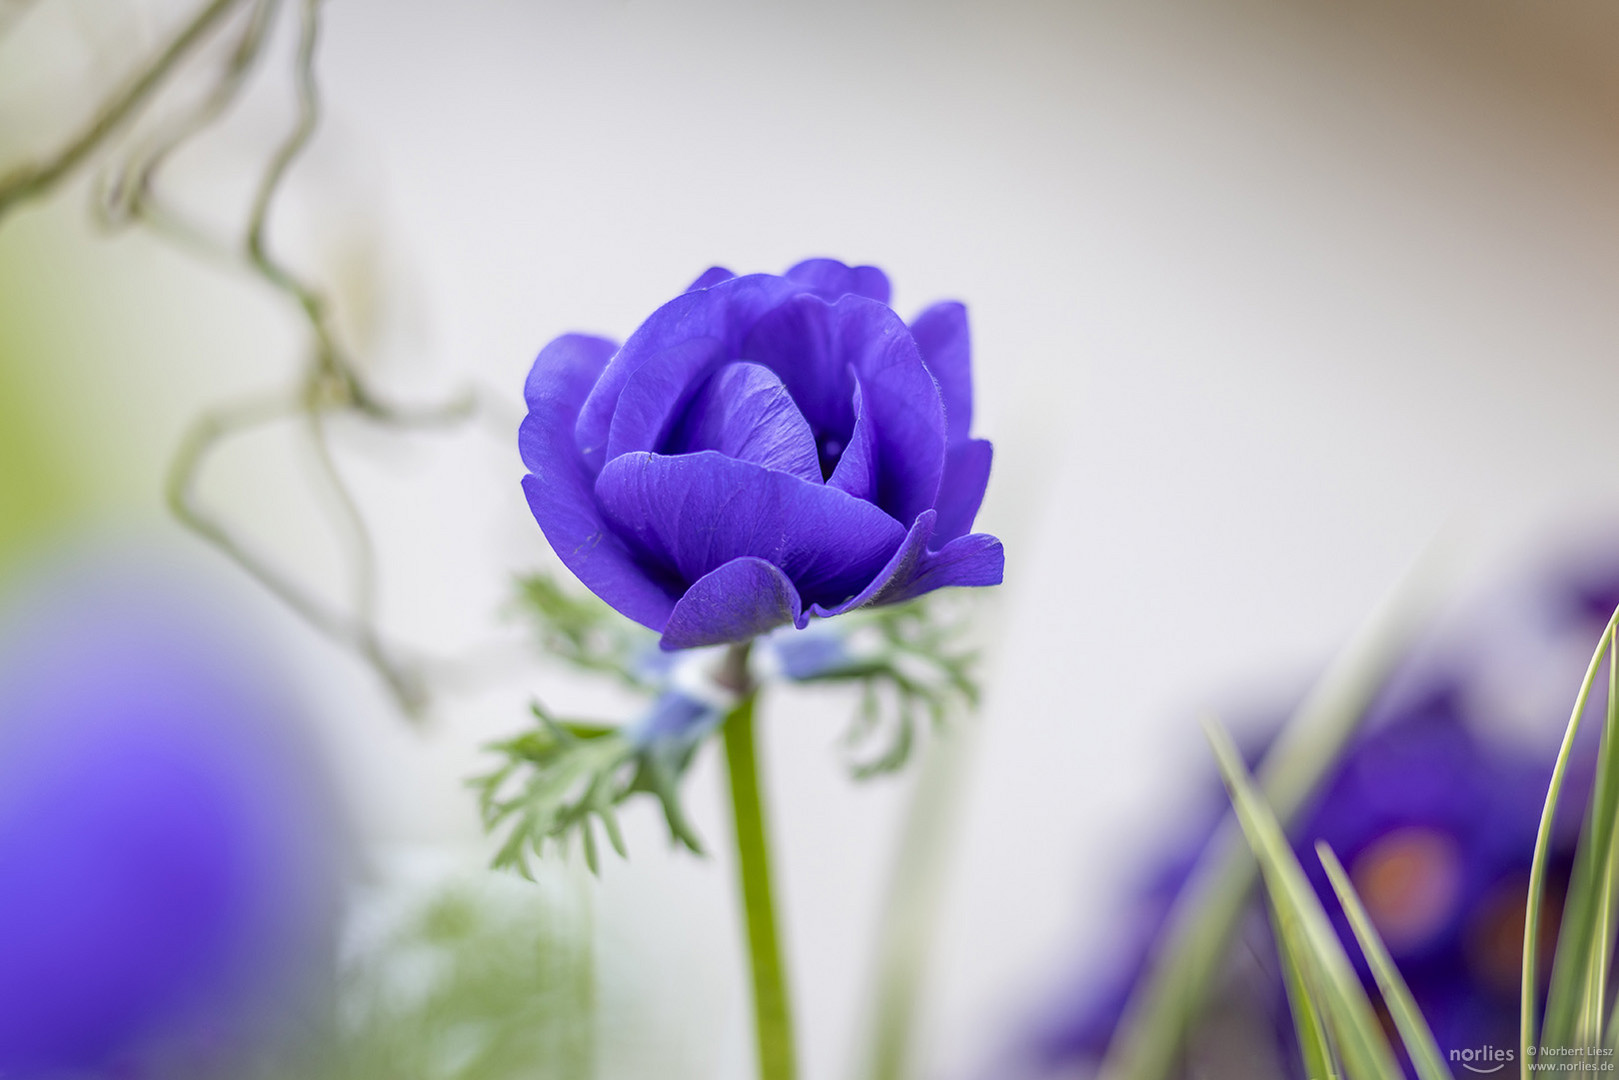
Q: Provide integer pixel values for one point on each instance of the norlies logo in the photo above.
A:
(1483, 1059)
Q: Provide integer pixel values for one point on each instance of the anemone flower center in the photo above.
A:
(830, 449)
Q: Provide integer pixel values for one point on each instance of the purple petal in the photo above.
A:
(566, 369)
(797, 342)
(856, 471)
(941, 335)
(966, 475)
(871, 283)
(906, 411)
(559, 485)
(745, 412)
(972, 561)
(813, 346)
(710, 277)
(725, 311)
(803, 657)
(830, 279)
(976, 559)
(736, 601)
(693, 513)
(658, 392)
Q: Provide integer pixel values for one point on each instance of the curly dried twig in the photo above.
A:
(129, 191)
(328, 383)
(200, 440)
(38, 178)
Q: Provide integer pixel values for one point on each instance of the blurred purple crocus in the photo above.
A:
(167, 870)
(763, 449)
(1433, 810)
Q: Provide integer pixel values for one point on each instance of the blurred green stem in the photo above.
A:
(772, 1017)
(912, 909)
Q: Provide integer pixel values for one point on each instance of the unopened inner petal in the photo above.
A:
(745, 412)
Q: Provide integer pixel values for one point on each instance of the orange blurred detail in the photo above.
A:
(1410, 882)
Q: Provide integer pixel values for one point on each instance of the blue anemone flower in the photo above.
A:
(761, 450)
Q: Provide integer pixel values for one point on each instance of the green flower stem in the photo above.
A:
(772, 1017)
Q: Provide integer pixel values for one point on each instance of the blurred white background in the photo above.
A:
(1265, 298)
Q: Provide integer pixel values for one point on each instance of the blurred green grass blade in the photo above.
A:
(1147, 1042)
(1574, 1006)
(1339, 999)
(1528, 1033)
(1419, 1041)
(1314, 1049)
